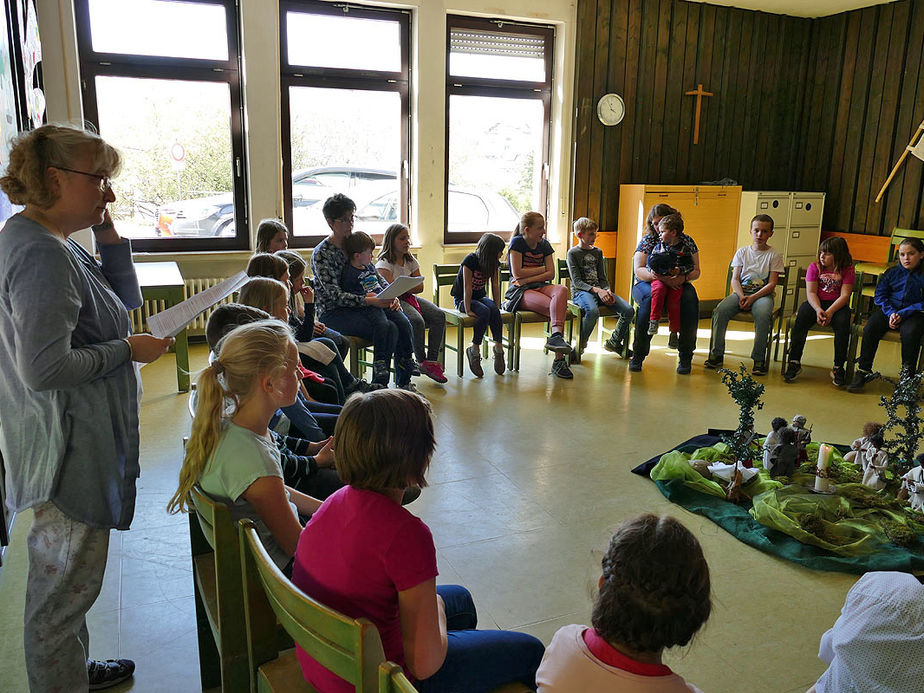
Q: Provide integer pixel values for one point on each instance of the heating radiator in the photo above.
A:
(192, 286)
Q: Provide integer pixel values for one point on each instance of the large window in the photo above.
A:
(499, 85)
(345, 114)
(161, 81)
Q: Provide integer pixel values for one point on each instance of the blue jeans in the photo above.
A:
(761, 309)
(488, 316)
(390, 334)
(590, 304)
(689, 321)
(478, 661)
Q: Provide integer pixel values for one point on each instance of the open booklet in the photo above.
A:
(170, 322)
(400, 286)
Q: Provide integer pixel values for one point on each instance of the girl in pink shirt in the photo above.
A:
(828, 284)
(364, 555)
(654, 594)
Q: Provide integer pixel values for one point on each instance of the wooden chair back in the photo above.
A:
(564, 274)
(350, 648)
(219, 594)
(443, 275)
(392, 679)
(898, 237)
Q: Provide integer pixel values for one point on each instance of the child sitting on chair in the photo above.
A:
(365, 556)
(755, 271)
(654, 594)
(360, 278)
(668, 259)
(590, 289)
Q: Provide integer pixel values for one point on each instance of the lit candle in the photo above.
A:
(822, 485)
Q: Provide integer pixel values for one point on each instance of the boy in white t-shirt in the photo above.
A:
(755, 270)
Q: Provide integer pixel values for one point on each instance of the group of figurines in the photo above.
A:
(784, 449)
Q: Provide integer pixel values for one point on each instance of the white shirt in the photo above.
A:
(756, 266)
(914, 482)
(877, 643)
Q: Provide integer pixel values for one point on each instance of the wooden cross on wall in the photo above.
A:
(699, 94)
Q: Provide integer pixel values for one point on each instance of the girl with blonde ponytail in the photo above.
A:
(230, 453)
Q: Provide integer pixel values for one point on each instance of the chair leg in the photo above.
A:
(518, 327)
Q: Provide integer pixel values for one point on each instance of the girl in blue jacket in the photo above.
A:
(899, 304)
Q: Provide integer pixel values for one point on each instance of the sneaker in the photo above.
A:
(409, 364)
(473, 353)
(860, 378)
(433, 370)
(713, 362)
(108, 673)
(499, 364)
(635, 365)
(759, 368)
(408, 386)
(793, 369)
(684, 367)
(361, 385)
(414, 367)
(652, 327)
(557, 344)
(612, 345)
(380, 373)
(560, 369)
(838, 376)
(673, 342)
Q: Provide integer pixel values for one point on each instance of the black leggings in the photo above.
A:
(911, 329)
(806, 318)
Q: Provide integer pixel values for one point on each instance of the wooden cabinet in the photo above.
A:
(710, 217)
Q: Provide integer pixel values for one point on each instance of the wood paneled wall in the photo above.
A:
(864, 99)
(800, 104)
(651, 52)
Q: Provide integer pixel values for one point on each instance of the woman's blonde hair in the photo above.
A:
(262, 293)
(54, 146)
(384, 440)
(246, 354)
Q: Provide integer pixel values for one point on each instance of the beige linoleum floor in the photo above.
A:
(530, 476)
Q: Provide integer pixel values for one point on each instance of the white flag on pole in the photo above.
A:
(918, 149)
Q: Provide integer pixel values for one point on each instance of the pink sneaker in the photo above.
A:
(433, 369)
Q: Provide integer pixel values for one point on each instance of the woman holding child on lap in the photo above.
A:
(674, 241)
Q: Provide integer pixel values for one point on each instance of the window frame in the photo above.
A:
(500, 88)
(343, 78)
(99, 64)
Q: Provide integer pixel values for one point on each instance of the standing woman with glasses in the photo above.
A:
(69, 393)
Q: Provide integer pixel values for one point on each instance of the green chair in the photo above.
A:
(445, 275)
(351, 648)
(393, 680)
(874, 269)
(777, 316)
(854, 332)
(219, 595)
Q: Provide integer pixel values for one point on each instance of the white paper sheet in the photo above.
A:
(170, 322)
(400, 286)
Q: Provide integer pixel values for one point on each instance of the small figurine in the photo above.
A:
(913, 485)
(874, 462)
(803, 435)
(859, 446)
(773, 439)
(784, 454)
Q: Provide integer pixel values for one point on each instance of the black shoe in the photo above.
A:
(612, 346)
(838, 376)
(673, 342)
(635, 365)
(575, 357)
(652, 327)
(713, 362)
(860, 378)
(684, 367)
(760, 368)
(792, 370)
(108, 673)
(557, 344)
(361, 385)
(560, 369)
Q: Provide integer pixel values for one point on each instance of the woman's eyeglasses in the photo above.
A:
(103, 181)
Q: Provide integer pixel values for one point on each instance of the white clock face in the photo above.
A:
(611, 109)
